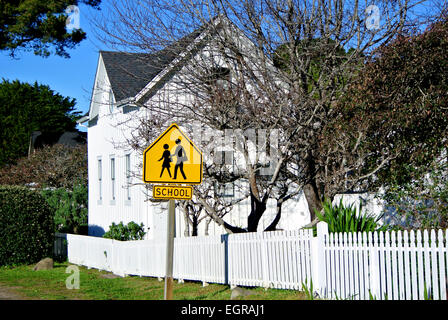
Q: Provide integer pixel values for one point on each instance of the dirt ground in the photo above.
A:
(9, 294)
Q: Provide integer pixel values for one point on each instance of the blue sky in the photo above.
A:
(72, 77)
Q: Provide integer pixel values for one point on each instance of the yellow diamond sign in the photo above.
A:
(172, 158)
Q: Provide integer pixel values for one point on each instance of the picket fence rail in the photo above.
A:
(361, 266)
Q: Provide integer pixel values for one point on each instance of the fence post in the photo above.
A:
(265, 260)
(318, 266)
(374, 267)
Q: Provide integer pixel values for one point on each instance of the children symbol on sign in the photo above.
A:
(181, 157)
(166, 156)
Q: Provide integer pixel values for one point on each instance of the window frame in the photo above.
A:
(127, 157)
(113, 178)
(100, 179)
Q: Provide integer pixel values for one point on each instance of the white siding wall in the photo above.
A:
(103, 138)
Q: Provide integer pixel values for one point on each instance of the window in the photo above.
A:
(112, 176)
(100, 178)
(128, 177)
(225, 189)
(224, 158)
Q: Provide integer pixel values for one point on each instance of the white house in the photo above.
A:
(123, 83)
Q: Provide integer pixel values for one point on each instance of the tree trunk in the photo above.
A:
(313, 199)
(207, 224)
(220, 221)
(187, 223)
(194, 226)
(257, 209)
(273, 225)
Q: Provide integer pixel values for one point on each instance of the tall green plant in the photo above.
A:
(342, 218)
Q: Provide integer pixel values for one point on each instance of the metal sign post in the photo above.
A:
(169, 251)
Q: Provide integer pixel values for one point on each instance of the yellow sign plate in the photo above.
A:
(172, 158)
(172, 192)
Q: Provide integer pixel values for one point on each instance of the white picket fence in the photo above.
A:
(384, 265)
(274, 259)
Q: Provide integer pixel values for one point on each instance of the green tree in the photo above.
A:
(317, 50)
(37, 26)
(394, 116)
(25, 108)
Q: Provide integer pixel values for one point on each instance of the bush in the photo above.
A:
(421, 203)
(69, 208)
(347, 219)
(57, 166)
(26, 226)
(132, 231)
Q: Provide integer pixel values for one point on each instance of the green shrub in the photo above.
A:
(347, 219)
(422, 202)
(26, 226)
(69, 208)
(131, 231)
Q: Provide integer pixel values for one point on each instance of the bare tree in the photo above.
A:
(255, 69)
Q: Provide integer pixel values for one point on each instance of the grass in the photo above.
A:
(97, 285)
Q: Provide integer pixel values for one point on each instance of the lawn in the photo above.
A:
(101, 285)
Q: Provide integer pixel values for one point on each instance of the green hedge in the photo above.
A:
(26, 226)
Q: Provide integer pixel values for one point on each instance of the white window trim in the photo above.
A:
(99, 181)
(113, 180)
(128, 177)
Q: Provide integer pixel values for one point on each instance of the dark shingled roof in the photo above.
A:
(67, 138)
(129, 73)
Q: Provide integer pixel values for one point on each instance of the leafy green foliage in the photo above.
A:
(342, 218)
(25, 108)
(37, 26)
(395, 112)
(26, 226)
(422, 202)
(131, 231)
(69, 208)
(324, 55)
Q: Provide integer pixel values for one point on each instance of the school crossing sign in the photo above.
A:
(172, 159)
(171, 162)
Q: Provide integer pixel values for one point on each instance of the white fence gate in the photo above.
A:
(384, 265)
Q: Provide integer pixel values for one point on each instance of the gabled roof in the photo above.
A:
(129, 73)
